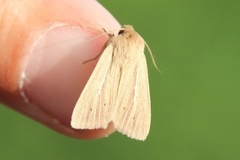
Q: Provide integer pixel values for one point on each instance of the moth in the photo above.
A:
(118, 89)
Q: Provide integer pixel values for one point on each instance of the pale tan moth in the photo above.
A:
(118, 89)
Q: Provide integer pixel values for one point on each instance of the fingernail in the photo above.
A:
(54, 75)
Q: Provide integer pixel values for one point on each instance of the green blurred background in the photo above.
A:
(195, 100)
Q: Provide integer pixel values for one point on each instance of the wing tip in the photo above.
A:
(134, 135)
(75, 125)
(139, 138)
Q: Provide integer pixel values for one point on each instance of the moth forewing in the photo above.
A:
(118, 89)
(132, 114)
(92, 109)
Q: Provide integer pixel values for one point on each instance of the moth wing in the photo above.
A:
(133, 114)
(92, 109)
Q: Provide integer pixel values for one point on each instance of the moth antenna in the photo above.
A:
(107, 32)
(151, 54)
(103, 34)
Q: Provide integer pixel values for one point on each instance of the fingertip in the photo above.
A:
(54, 73)
(48, 74)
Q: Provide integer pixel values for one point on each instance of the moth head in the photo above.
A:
(125, 28)
(121, 31)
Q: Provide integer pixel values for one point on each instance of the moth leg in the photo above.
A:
(110, 35)
(92, 59)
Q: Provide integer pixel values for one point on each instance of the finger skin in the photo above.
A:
(21, 24)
